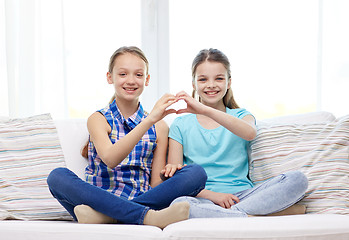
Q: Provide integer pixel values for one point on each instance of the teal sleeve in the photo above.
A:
(242, 112)
(175, 131)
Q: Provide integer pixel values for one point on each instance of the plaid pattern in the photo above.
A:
(132, 176)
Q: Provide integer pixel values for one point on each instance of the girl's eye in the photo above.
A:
(202, 79)
(139, 75)
(219, 79)
(122, 74)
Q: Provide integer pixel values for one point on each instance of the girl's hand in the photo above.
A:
(193, 106)
(160, 110)
(170, 170)
(225, 200)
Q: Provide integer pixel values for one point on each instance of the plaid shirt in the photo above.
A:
(132, 176)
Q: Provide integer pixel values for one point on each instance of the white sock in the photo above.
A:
(174, 213)
(86, 214)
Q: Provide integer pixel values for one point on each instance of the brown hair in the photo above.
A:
(215, 55)
(84, 149)
(123, 50)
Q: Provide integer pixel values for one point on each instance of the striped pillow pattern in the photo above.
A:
(29, 150)
(319, 150)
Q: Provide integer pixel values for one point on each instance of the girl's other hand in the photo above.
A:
(160, 110)
(170, 170)
(225, 200)
(193, 106)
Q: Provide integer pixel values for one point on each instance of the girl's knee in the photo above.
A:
(56, 175)
(303, 180)
(184, 199)
(299, 179)
(196, 176)
(197, 170)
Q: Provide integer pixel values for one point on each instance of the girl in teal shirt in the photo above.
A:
(216, 135)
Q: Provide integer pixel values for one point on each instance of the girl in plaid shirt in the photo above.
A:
(127, 150)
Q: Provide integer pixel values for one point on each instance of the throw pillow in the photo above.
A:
(320, 150)
(29, 150)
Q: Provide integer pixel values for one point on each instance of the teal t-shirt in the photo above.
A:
(222, 154)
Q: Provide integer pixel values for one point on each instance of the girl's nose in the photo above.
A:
(131, 79)
(211, 84)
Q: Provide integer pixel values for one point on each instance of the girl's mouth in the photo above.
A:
(211, 93)
(127, 89)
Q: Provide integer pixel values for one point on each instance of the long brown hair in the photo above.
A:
(215, 55)
(123, 50)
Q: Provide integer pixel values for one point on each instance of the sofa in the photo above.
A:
(316, 143)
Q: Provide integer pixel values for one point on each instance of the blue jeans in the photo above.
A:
(271, 196)
(71, 191)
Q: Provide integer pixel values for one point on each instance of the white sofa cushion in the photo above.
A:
(295, 227)
(320, 150)
(68, 230)
(29, 150)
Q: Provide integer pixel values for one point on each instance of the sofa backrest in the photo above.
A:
(73, 134)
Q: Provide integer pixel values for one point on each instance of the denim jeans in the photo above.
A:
(71, 191)
(269, 197)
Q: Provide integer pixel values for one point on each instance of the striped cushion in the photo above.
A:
(29, 150)
(319, 150)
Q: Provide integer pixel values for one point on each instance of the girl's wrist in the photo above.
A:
(148, 120)
(206, 110)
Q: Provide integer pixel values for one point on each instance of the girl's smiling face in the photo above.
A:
(129, 76)
(211, 83)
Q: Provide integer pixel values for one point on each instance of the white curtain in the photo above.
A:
(3, 70)
(54, 53)
(33, 59)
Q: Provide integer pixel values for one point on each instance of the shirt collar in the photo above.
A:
(133, 120)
